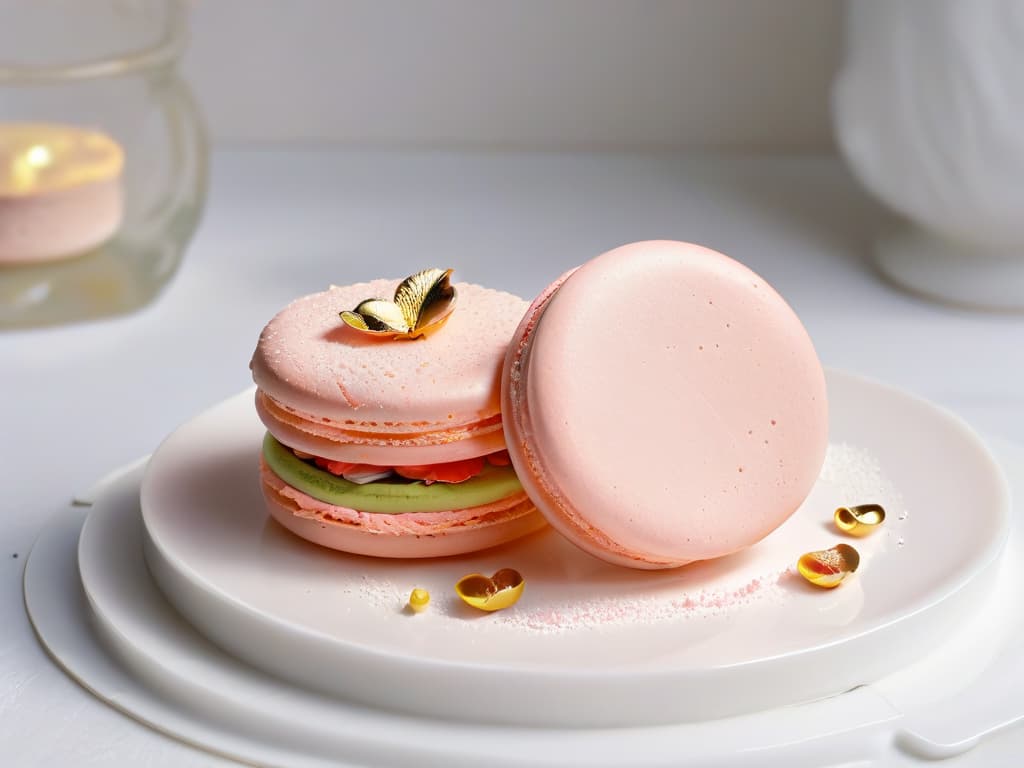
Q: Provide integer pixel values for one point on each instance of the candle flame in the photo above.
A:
(38, 158)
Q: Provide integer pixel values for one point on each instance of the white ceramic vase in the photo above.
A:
(929, 112)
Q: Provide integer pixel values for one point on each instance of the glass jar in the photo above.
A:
(98, 74)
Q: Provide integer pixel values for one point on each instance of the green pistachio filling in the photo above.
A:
(394, 495)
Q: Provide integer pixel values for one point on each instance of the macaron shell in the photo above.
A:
(463, 443)
(309, 360)
(663, 404)
(438, 534)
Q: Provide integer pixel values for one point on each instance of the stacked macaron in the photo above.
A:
(390, 443)
(662, 404)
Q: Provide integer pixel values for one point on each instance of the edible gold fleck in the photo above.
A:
(491, 593)
(828, 568)
(419, 599)
(860, 520)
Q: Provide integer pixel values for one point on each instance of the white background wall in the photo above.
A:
(518, 73)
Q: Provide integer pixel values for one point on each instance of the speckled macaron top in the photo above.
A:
(317, 376)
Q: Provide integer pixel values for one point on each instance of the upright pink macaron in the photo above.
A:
(663, 404)
(390, 447)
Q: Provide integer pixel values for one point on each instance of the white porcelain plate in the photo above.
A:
(590, 643)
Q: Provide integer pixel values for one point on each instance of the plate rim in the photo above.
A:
(921, 613)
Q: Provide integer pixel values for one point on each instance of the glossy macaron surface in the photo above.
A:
(663, 404)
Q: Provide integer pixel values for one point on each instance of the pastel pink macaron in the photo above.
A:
(390, 447)
(663, 404)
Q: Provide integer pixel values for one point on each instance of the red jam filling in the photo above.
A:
(447, 472)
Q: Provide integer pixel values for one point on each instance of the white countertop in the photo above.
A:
(80, 400)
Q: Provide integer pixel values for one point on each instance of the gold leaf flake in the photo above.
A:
(491, 593)
(860, 520)
(422, 304)
(828, 567)
(382, 315)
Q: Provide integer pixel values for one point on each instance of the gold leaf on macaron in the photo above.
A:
(426, 297)
(382, 315)
(422, 304)
(354, 320)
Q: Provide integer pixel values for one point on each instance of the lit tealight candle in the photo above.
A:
(60, 191)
